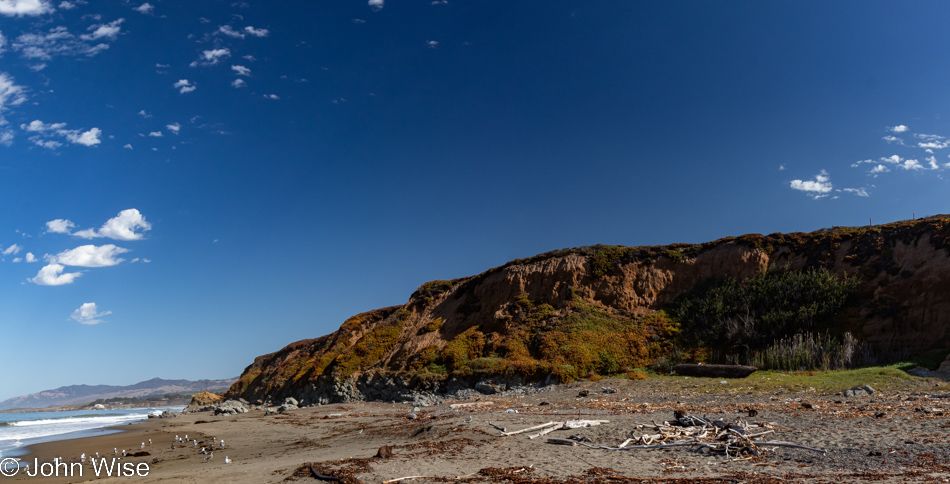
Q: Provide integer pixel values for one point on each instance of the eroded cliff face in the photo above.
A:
(903, 302)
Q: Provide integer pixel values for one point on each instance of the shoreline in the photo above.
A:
(898, 436)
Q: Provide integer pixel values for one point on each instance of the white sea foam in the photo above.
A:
(28, 428)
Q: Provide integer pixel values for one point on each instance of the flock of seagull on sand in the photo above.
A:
(208, 455)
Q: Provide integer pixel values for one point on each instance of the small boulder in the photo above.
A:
(486, 388)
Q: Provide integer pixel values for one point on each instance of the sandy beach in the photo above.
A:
(886, 437)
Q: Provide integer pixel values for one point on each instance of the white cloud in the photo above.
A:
(10, 93)
(932, 161)
(230, 32)
(911, 165)
(377, 4)
(89, 313)
(42, 131)
(156, 134)
(238, 83)
(250, 58)
(13, 249)
(52, 275)
(256, 32)
(59, 226)
(45, 143)
(144, 114)
(17, 260)
(272, 96)
(19, 8)
(89, 256)
(432, 43)
(861, 192)
(174, 127)
(30, 257)
(894, 139)
(211, 57)
(120, 227)
(184, 86)
(145, 8)
(67, 5)
(3, 42)
(104, 31)
(58, 41)
(241, 70)
(128, 146)
(900, 128)
(879, 169)
(781, 167)
(359, 21)
(37, 126)
(88, 138)
(817, 188)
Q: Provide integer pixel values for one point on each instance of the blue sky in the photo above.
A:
(187, 185)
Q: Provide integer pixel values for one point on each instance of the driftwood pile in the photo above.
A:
(700, 433)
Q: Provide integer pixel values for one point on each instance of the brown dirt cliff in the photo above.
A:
(541, 316)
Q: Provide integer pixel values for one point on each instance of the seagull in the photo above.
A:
(123, 452)
(82, 458)
(469, 419)
(149, 441)
(203, 451)
(227, 460)
(142, 446)
(97, 455)
(222, 443)
(360, 432)
(210, 456)
(176, 437)
(186, 437)
(115, 451)
(196, 442)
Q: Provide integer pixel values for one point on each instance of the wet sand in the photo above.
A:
(887, 437)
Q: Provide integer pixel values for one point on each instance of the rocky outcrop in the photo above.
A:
(389, 353)
(944, 370)
(203, 401)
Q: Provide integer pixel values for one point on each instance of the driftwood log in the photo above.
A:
(714, 371)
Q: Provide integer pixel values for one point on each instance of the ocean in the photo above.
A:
(19, 430)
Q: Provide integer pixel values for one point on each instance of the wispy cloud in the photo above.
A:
(58, 41)
(861, 192)
(184, 86)
(11, 94)
(145, 8)
(241, 70)
(104, 31)
(238, 83)
(211, 57)
(256, 32)
(900, 128)
(377, 5)
(89, 313)
(174, 127)
(271, 96)
(43, 132)
(817, 188)
(13, 249)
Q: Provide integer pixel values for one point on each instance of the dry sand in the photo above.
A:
(895, 437)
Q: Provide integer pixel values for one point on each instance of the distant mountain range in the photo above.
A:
(74, 394)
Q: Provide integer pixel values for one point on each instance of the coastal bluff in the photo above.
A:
(526, 320)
